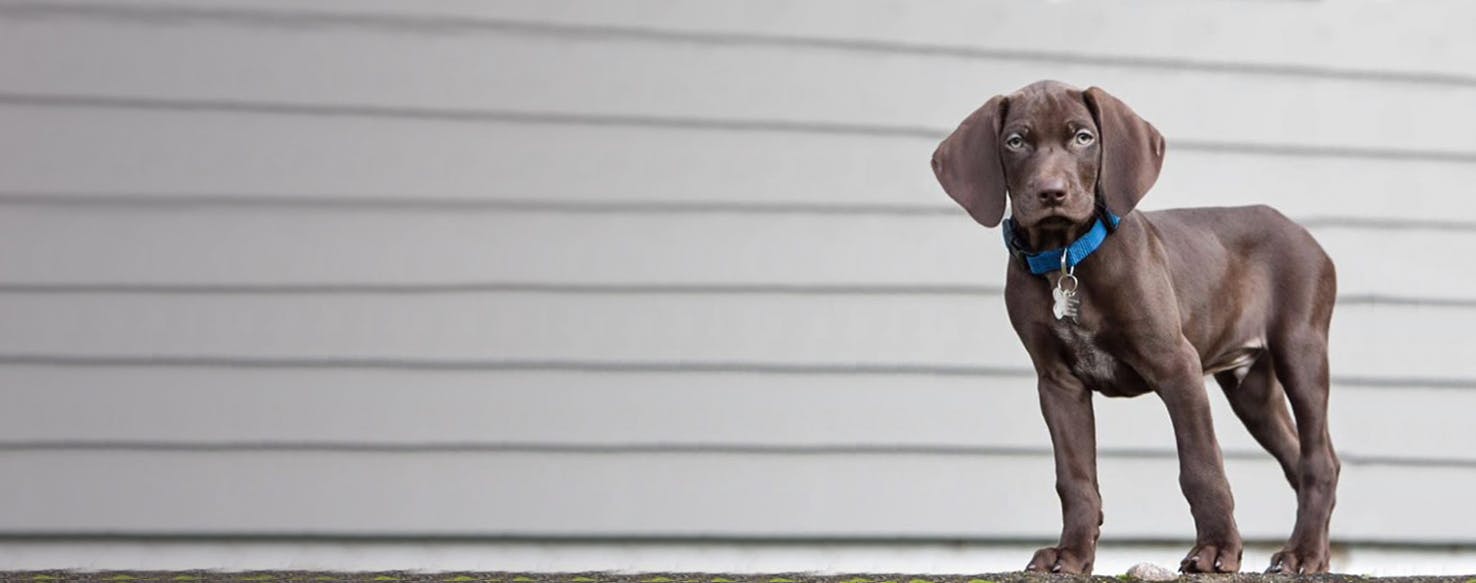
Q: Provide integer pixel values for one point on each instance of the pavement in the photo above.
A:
(505, 577)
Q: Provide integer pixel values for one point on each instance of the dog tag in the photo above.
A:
(1067, 305)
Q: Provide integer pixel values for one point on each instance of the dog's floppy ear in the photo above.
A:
(1132, 152)
(967, 163)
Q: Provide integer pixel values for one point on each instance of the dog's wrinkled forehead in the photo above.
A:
(1047, 100)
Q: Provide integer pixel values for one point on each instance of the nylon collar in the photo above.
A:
(1043, 262)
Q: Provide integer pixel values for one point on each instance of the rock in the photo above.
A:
(1151, 572)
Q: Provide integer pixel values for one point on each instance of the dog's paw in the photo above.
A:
(1292, 561)
(1060, 560)
(1211, 558)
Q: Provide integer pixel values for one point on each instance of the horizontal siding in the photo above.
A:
(670, 494)
(271, 158)
(1414, 43)
(519, 330)
(246, 248)
(661, 269)
(684, 494)
(201, 67)
(1254, 38)
(164, 408)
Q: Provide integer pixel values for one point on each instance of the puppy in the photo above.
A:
(1125, 302)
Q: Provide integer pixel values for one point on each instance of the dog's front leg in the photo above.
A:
(1067, 405)
(1175, 373)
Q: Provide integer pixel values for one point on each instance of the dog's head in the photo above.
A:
(1051, 149)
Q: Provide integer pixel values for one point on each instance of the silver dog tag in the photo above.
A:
(1067, 305)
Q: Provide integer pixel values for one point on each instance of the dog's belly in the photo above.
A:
(1097, 368)
(1103, 372)
(1238, 359)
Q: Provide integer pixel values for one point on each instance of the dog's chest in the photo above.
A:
(1098, 368)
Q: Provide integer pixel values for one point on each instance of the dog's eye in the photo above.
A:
(1084, 137)
(1014, 142)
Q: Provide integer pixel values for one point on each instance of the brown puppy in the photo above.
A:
(1166, 298)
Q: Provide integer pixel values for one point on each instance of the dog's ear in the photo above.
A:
(1132, 152)
(967, 163)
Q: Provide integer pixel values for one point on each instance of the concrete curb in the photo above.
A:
(605, 577)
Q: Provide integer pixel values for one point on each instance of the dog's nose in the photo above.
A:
(1052, 192)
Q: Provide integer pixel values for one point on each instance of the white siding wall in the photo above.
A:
(666, 269)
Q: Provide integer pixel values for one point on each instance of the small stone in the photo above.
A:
(1151, 572)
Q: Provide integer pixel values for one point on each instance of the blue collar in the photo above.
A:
(1043, 262)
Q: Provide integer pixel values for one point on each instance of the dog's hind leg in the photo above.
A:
(1259, 401)
(1300, 359)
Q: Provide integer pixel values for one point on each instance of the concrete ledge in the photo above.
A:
(603, 577)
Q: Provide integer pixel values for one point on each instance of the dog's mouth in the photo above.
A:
(1056, 220)
(1055, 216)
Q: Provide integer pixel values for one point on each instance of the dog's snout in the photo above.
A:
(1052, 191)
(1053, 195)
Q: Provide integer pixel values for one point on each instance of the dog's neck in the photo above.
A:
(1065, 245)
(1040, 237)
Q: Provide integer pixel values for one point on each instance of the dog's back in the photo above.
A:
(1274, 267)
